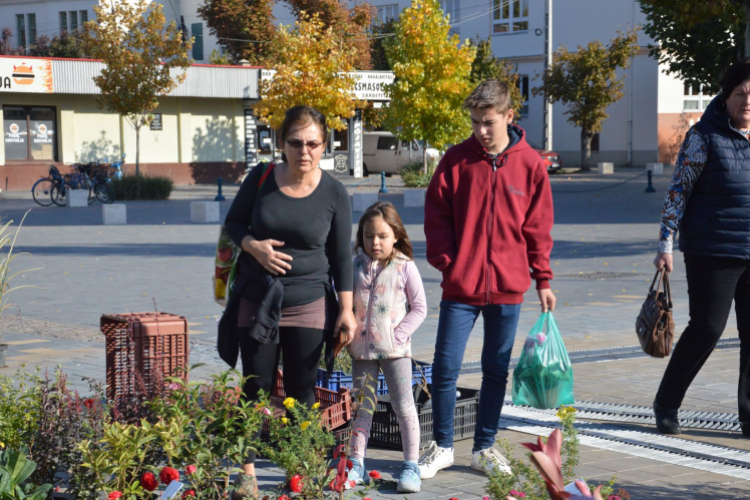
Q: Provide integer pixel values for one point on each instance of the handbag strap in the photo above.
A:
(660, 275)
(668, 289)
(267, 169)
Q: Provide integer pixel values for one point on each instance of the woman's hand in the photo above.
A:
(346, 325)
(664, 260)
(264, 252)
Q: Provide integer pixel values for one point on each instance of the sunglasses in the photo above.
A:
(297, 144)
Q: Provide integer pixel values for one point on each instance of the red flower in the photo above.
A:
(188, 493)
(349, 465)
(114, 495)
(295, 484)
(148, 481)
(283, 497)
(168, 474)
(376, 475)
(190, 469)
(88, 403)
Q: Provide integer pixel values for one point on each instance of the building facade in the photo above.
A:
(642, 127)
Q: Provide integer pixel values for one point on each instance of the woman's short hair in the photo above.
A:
(303, 116)
(735, 75)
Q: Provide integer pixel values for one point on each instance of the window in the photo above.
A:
(694, 98)
(523, 85)
(29, 133)
(31, 23)
(63, 21)
(71, 20)
(451, 9)
(510, 16)
(387, 12)
(21, 30)
(196, 30)
(73, 16)
(387, 142)
(83, 16)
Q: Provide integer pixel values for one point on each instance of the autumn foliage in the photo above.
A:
(244, 28)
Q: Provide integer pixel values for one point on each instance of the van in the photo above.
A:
(383, 152)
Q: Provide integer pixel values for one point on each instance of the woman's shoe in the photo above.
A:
(666, 421)
(409, 481)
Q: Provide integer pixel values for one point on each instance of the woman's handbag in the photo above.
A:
(227, 253)
(655, 326)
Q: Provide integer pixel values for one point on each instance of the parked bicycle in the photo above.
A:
(62, 183)
(42, 189)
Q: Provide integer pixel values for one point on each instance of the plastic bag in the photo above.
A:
(543, 378)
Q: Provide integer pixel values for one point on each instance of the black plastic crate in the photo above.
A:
(385, 432)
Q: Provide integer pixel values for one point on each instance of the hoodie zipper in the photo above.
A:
(373, 279)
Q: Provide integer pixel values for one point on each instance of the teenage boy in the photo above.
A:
(488, 217)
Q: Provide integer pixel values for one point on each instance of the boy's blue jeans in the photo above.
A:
(454, 327)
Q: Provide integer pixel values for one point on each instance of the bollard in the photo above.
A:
(650, 187)
(219, 197)
(383, 189)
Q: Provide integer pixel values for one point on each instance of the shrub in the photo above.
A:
(414, 176)
(142, 187)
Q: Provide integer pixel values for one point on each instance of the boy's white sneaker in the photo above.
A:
(490, 461)
(434, 459)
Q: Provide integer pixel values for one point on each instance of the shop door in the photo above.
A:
(29, 133)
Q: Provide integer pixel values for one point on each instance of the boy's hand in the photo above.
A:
(548, 299)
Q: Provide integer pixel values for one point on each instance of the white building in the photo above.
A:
(642, 127)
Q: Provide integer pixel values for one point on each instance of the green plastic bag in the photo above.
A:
(543, 377)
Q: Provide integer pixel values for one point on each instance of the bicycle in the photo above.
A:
(61, 184)
(41, 191)
(99, 187)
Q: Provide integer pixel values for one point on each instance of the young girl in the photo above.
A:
(389, 305)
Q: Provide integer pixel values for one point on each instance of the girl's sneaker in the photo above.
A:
(409, 481)
(357, 474)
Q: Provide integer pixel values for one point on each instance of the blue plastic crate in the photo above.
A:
(339, 379)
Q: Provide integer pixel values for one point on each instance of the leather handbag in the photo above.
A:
(655, 325)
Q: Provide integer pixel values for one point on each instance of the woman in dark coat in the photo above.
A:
(294, 229)
(709, 203)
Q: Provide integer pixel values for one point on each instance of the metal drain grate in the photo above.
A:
(644, 415)
(696, 455)
(599, 355)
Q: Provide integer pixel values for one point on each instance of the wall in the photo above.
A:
(201, 139)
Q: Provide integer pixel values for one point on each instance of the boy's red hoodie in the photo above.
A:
(486, 227)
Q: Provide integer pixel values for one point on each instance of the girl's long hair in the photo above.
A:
(388, 212)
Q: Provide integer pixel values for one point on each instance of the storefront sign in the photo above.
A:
(156, 122)
(251, 149)
(356, 142)
(369, 85)
(340, 166)
(28, 76)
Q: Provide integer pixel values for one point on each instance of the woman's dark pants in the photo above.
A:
(713, 282)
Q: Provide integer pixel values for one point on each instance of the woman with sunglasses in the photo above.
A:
(294, 228)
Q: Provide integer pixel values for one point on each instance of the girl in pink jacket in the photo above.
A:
(389, 305)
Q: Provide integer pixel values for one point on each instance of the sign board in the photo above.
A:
(369, 85)
(340, 166)
(27, 76)
(156, 122)
(356, 143)
(251, 148)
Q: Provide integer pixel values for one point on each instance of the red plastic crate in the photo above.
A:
(336, 406)
(153, 345)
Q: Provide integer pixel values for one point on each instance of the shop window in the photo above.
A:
(83, 16)
(387, 12)
(29, 133)
(510, 16)
(196, 30)
(694, 98)
(523, 85)
(341, 140)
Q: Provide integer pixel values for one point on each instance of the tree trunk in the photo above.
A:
(138, 149)
(424, 157)
(586, 137)
(747, 29)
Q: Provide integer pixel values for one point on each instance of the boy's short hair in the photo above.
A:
(489, 94)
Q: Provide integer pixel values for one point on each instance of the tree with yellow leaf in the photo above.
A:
(433, 76)
(312, 70)
(138, 49)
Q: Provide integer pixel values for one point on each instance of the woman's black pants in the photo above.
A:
(713, 282)
(302, 348)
